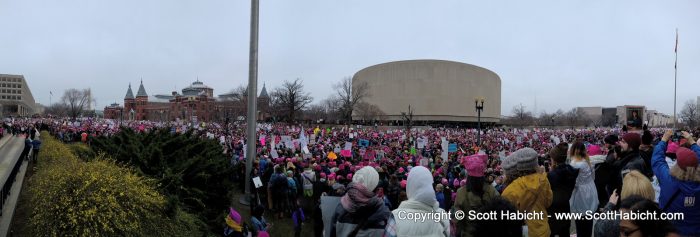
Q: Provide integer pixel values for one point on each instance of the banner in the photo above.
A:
(328, 207)
(452, 147)
(262, 140)
(346, 153)
(364, 143)
(420, 143)
(348, 146)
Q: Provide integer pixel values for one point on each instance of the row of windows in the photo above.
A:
(10, 79)
(10, 85)
(11, 91)
(11, 97)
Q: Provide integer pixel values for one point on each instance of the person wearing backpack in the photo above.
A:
(308, 177)
(680, 185)
(291, 190)
(278, 187)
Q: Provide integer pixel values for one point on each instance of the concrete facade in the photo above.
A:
(16, 98)
(436, 90)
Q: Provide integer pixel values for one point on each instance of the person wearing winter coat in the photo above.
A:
(421, 199)
(629, 159)
(680, 185)
(360, 212)
(308, 179)
(528, 189)
(562, 179)
(475, 194)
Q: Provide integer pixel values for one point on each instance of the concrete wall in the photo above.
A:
(436, 90)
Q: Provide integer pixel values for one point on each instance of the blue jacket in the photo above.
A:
(36, 144)
(684, 202)
(441, 200)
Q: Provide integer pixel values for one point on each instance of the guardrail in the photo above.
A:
(7, 185)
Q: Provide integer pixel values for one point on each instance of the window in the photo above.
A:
(19, 86)
(3, 97)
(19, 97)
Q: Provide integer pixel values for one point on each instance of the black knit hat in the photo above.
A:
(611, 139)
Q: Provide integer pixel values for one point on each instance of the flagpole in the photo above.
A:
(675, 83)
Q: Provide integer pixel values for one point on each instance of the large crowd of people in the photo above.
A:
(378, 172)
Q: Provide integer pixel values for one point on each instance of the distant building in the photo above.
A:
(624, 115)
(16, 98)
(437, 91)
(195, 103)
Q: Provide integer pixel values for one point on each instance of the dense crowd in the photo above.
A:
(380, 172)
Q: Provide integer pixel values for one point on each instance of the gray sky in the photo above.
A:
(564, 53)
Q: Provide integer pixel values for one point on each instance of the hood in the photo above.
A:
(527, 188)
(420, 186)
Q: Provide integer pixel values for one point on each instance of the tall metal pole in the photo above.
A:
(675, 83)
(252, 93)
(478, 126)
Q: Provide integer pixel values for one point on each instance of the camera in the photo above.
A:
(677, 135)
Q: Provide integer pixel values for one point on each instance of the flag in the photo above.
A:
(676, 49)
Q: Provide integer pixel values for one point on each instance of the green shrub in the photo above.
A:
(191, 171)
(70, 197)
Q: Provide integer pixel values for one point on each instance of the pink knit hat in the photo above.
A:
(234, 215)
(475, 166)
(444, 182)
(403, 184)
(594, 150)
(672, 147)
(323, 175)
(401, 170)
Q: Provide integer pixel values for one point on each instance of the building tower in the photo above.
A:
(263, 104)
(129, 103)
(141, 102)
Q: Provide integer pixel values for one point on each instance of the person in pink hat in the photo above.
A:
(474, 193)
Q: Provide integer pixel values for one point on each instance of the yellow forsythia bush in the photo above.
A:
(71, 197)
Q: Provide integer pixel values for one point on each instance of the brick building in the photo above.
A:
(196, 103)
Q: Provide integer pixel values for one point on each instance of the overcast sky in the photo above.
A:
(561, 54)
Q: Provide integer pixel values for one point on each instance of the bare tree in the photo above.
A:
(289, 99)
(59, 110)
(521, 116)
(690, 114)
(349, 95)
(408, 119)
(369, 112)
(76, 101)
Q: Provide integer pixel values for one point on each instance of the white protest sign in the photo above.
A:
(257, 182)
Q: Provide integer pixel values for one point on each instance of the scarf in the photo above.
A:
(357, 197)
(233, 225)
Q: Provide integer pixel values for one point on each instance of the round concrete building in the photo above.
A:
(436, 90)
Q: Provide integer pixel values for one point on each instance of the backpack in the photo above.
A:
(292, 187)
(279, 184)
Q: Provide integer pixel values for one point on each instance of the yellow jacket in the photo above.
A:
(531, 193)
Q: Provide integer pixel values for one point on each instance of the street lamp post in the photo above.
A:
(479, 105)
